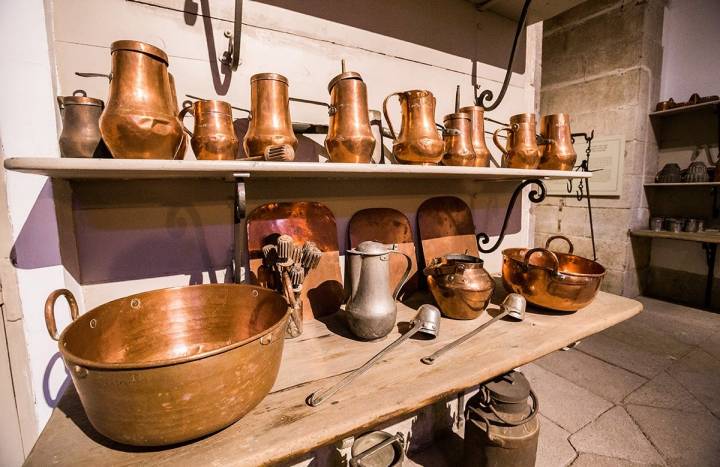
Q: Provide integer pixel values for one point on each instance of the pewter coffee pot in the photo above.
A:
(371, 310)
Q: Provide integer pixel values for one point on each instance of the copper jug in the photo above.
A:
(214, 136)
(521, 149)
(558, 153)
(140, 121)
(80, 136)
(477, 117)
(270, 123)
(458, 143)
(174, 104)
(349, 137)
(419, 141)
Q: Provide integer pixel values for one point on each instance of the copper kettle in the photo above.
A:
(558, 152)
(80, 136)
(521, 149)
(419, 141)
(214, 136)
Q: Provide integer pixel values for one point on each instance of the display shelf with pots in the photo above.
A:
(687, 126)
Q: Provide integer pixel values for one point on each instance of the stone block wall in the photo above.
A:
(601, 63)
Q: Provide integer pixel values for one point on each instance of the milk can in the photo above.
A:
(501, 428)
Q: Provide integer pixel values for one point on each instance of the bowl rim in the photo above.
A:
(508, 253)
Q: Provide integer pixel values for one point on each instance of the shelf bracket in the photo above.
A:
(535, 196)
(231, 57)
(239, 229)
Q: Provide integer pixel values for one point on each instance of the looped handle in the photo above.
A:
(50, 310)
(406, 274)
(187, 108)
(529, 253)
(497, 143)
(387, 117)
(560, 237)
(79, 92)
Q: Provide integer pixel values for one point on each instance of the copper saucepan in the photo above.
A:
(553, 280)
(171, 365)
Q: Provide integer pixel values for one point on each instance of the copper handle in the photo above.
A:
(406, 274)
(497, 143)
(387, 117)
(50, 310)
(187, 107)
(560, 237)
(556, 262)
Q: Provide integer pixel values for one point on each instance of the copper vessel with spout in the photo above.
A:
(270, 124)
(419, 141)
(458, 143)
(558, 152)
(80, 136)
(214, 136)
(521, 149)
(140, 121)
(477, 118)
(176, 108)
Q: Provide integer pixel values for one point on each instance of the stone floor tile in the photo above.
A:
(640, 333)
(554, 449)
(684, 439)
(600, 378)
(711, 345)
(665, 392)
(630, 357)
(614, 434)
(566, 404)
(699, 373)
(685, 324)
(593, 460)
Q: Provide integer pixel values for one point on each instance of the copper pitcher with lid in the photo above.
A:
(419, 141)
(477, 118)
(80, 136)
(349, 137)
(140, 120)
(558, 152)
(458, 140)
(214, 136)
(270, 124)
(521, 149)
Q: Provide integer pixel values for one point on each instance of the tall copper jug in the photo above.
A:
(80, 136)
(349, 137)
(214, 136)
(419, 141)
(270, 123)
(558, 153)
(520, 150)
(458, 140)
(477, 117)
(140, 121)
(176, 108)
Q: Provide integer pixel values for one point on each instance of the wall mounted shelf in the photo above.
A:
(687, 126)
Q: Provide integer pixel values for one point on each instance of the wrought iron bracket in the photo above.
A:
(239, 257)
(535, 196)
(231, 57)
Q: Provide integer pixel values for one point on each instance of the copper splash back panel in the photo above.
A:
(389, 226)
(446, 226)
(304, 221)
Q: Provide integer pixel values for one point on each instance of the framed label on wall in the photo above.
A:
(606, 164)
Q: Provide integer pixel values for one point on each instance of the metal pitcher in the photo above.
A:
(477, 118)
(349, 137)
(214, 136)
(458, 144)
(558, 153)
(371, 310)
(419, 141)
(80, 136)
(521, 149)
(140, 120)
(270, 124)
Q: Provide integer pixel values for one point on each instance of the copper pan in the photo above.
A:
(553, 280)
(171, 365)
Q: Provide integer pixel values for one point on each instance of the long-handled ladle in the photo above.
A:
(513, 306)
(427, 322)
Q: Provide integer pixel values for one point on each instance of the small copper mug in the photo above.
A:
(477, 117)
(270, 123)
(214, 136)
(80, 136)
(419, 141)
(458, 140)
(349, 137)
(521, 149)
(558, 152)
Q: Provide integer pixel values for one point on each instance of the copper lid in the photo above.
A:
(457, 115)
(273, 76)
(206, 106)
(79, 97)
(137, 46)
(472, 109)
(341, 76)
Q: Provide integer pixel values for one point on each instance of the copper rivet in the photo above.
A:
(135, 303)
(93, 323)
(254, 293)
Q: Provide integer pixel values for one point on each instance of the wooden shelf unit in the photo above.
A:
(687, 126)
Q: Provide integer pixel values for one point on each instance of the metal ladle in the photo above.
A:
(427, 322)
(513, 306)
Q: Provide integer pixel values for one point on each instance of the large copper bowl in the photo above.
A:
(553, 280)
(460, 285)
(171, 365)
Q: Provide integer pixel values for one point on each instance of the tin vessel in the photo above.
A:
(80, 136)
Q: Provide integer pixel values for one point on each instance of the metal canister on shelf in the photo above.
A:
(691, 225)
(80, 136)
(701, 225)
(656, 224)
(673, 225)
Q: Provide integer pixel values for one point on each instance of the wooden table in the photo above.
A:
(283, 427)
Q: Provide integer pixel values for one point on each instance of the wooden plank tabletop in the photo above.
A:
(704, 236)
(282, 426)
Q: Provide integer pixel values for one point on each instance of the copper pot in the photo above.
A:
(419, 141)
(349, 137)
(460, 285)
(557, 281)
(270, 123)
(140, 120)
(458, 141)
(520, 150)
(171, 365)
(558, 153)
(214, 135)
(80, 136)
(477, 117)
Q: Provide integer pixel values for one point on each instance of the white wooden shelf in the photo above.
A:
(69, 168)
